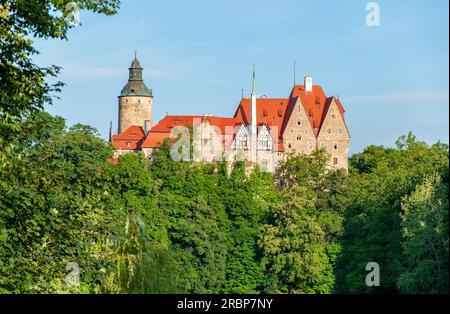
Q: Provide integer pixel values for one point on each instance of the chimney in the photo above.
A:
(110, 131)
(308, 83)
(147, 126)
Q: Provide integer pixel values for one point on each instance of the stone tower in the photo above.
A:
(135, 101)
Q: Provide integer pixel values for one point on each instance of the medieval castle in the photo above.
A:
(262, 130)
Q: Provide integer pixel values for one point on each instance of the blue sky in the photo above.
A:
(198, 54)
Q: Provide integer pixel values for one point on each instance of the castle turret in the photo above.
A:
(135, 100)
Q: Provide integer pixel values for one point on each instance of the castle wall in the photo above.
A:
(134, 110)
(334, 137)
(298, 136)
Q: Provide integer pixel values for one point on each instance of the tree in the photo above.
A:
(24, 86)
(52, 209)
(247, 200)
(293, 244)
(424, 222)
(380, 179)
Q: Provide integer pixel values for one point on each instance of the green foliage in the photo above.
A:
(380, 180)
(24, 86)
(424, 223)
(247, 200)
(160, 226)
(300, 240)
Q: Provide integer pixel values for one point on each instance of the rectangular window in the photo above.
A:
(289, 145)
(264, 142)
(335, 146)
(322, 145)
(335, 160)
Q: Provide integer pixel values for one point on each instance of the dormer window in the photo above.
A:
(128, 144)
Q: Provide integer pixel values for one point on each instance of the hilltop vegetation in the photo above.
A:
(155, 226)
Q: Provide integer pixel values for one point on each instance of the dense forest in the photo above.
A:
(160, 226)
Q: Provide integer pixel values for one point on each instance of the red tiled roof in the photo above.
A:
(130, 139)
(269, 111)
(315, 102)
(113, 161)
(163, 128)
(154, 140)
(273, 112)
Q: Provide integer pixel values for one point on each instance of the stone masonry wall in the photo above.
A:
(134, 110)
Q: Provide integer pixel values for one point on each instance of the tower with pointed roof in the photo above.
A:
(135, 100)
